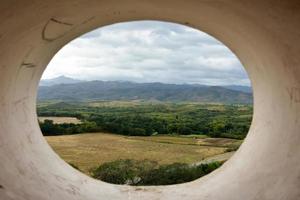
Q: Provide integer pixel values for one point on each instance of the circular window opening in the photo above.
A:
(145, 103)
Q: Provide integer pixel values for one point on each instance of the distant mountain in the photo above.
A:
(58, 80)
(240, 88)
(115, 90)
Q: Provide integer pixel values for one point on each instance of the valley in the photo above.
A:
(143, 133)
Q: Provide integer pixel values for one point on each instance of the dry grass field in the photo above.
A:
(92, 149)
(61, 120)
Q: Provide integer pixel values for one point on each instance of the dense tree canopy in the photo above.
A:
(144, 119)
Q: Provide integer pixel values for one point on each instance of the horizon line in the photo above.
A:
(143, 82)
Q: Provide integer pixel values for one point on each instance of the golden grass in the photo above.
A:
(61, 120)
(92, 149)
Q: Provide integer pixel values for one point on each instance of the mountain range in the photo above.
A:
(68, 89)
(58, 80)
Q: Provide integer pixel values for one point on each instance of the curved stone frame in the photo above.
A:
(265, 35)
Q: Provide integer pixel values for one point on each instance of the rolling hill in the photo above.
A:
(117, 90)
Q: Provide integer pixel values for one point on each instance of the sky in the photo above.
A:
(148, 51)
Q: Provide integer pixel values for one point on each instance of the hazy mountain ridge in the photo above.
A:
(240, 88)
(117, 90)
(59, 80)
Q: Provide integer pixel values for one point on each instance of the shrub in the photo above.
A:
(147, 172)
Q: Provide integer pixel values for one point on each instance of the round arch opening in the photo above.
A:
(152, 35)
(264, 167)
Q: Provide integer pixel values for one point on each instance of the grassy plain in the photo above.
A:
(90, 150)
(61, 120)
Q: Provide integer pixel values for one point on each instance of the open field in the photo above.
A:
(92, 149)
(61, 120)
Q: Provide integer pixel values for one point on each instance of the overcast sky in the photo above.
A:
(148, 51)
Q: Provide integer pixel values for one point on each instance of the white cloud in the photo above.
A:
(148, 51)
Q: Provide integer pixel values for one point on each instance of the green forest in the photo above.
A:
(135, 118)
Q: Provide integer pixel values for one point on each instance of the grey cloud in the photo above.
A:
(149, 51)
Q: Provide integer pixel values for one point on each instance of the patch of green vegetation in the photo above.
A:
(133, 172)
(147, 118)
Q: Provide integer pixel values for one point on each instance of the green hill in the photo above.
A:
(116, 90)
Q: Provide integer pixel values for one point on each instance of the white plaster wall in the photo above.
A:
(264, 34)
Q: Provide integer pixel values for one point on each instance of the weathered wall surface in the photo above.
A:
(265, 35)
